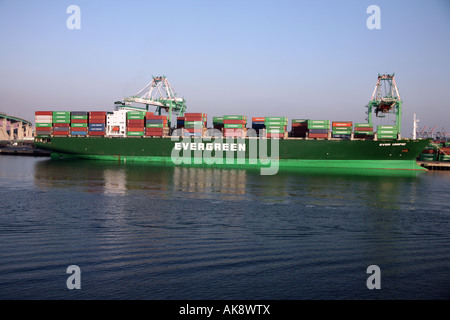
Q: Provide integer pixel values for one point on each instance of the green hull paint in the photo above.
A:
(302, 153)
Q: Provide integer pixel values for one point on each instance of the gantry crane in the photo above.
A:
(158, 93)
(385, 99)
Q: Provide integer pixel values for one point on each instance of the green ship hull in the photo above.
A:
(242, 152)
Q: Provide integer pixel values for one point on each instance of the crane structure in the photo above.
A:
(158, 93)
(385, 100)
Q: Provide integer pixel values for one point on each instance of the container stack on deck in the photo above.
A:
(299, 128)
(195, 124)
(234, 126)
(275, 127)
(44, 123)
(97, 123)
(342, 129)
(387, 132)
(180, 122)
(135, 123)
(258, 124)
(156, 125)
(318, 129)
(218, 123)
(61, 123)
(363, 131)
(78, 123)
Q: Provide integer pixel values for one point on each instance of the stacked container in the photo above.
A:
(387, 132)
(180, 122)
(318, 128)
(116, 123)
(78, 123)
(430, 153)
(299, 128)
(195, 124)
(234, 126)
(97, 123)
(363, 130)
(258, 124)
(156, 126)
(275, 126)
(342, 129)
(61, 123)
(135, 123)
(218, 123)
(44, 123)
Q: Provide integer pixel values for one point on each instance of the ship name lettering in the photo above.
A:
(210, 146)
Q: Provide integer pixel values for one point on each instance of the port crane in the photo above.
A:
(157, 93)
(385, 100)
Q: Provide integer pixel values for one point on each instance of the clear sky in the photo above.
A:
(300, 59)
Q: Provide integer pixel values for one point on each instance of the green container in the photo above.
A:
(78, 125)
(233, 126)
(369, 133)
(61, 113)
(217, 120)
(324, 122)
(300, 120)
(281, 119)
(193, 123)
(276, 127)
(275, 130)
(61, 120)
(444, 157)
(44, 125)
(135, 117)
(342, 131)
(387, 136)
(363, 125)
(275, 123)
(64, 117)
(318, 126)
(234, 117)
(79, 117)
(154, 125)
(135, 133)
(386, 127)
(387, 132)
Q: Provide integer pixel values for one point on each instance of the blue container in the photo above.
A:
(78, 133)
(318, 130)
(96, 129)
(61, 129)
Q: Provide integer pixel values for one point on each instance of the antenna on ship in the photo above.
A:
(385, 100)
(415, 121)
(160, 94)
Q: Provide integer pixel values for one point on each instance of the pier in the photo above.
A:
(435, 165)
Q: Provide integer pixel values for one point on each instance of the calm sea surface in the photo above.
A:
(143, 232)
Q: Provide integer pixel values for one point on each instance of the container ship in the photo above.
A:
(134, 134)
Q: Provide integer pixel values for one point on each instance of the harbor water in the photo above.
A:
(161, 233)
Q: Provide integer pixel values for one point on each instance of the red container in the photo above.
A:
(193, 130)
(275, 135)
(97, 114)
(78, 120)
(44, 128)
(61, 133)
(318, 135)
(258, 119)
(97, 120)
(364, 129)
(342, 124)
(135, 129)
(61, 125)
(135, 122)
(155, 117)
(299, 125)
(97, 133)
(43, 113)
(232, 121)
(148, 114)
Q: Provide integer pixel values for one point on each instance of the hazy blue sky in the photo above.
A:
(300, 59)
